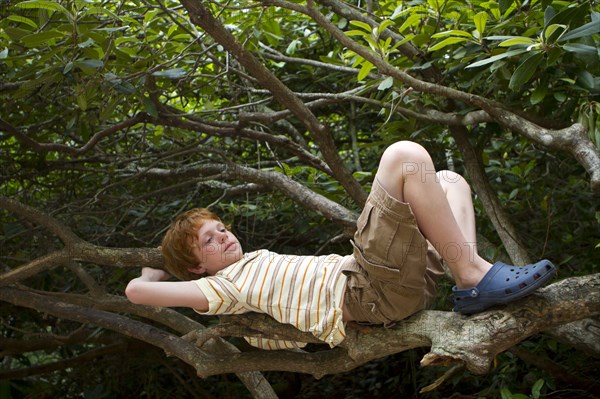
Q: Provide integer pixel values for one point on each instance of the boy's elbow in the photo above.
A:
(132, 292)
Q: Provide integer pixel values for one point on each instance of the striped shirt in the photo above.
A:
(304, 291)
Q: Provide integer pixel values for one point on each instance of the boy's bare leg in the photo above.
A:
(458, 194)
(444, 211)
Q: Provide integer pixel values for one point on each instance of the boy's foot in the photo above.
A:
(502, 284)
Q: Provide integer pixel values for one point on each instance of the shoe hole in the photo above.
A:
(516, 277)
(508, 279)
(508, 291)
(522, 285)
(537, 275)
(526, 272)
(512, 270)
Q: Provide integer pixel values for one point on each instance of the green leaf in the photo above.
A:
(355, 32)
(536, 388)
(453, 32)
(386, 83)
(384, 25)
(150, 107)
(480, 20)
(579, 48)
(550, 30)
(413, 19)
(538, 95)
(124, 87)
(525, 71)
(588, 29)
(362, 25)
(25, 20)
(586, 79)
(149, 16)
(90, 64)
(99, 10)
(46, 5)
(505, 393)
(364, 70)
(495, 58)
(175, 73)
(549, 13)
(40, 38)
(87, 43)
(291, 48)
(516, 40)
(82, 101)
(447, 42)
(68, 67)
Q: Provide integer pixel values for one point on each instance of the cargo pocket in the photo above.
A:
(377, 272)
(363, 222)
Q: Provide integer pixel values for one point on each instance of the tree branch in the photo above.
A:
(571, 139)
(294, 190)
(501, 221)
(35, 216)
(202, 17)
(45, 147)
(172, 345)
(453, 338)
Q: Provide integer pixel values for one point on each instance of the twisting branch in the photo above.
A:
(40, 218)
(44, 147)
(202, 17)
(571, 139)
(292, 189)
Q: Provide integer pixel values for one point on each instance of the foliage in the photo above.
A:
(113, 89)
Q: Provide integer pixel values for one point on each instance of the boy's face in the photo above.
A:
(215, 248)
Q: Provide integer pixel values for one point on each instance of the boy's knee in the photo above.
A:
(448, 178)
(411, 156)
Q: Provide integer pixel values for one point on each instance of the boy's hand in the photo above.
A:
(150, 274)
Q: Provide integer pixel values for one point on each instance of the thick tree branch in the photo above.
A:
(171, 344)
(583, 335)
(474, 341)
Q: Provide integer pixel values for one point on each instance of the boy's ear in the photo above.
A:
(197, 270)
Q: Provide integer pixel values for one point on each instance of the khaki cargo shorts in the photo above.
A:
(396, 269)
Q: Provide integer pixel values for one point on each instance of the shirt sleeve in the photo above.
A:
(222, 296)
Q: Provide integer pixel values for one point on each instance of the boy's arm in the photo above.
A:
(149, 289)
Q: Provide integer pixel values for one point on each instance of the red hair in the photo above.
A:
(180, 239)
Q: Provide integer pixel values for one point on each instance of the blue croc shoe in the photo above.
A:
(502, 284)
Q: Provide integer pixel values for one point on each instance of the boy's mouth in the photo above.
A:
(229, 246)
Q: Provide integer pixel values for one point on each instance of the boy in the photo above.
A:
(413, 218)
